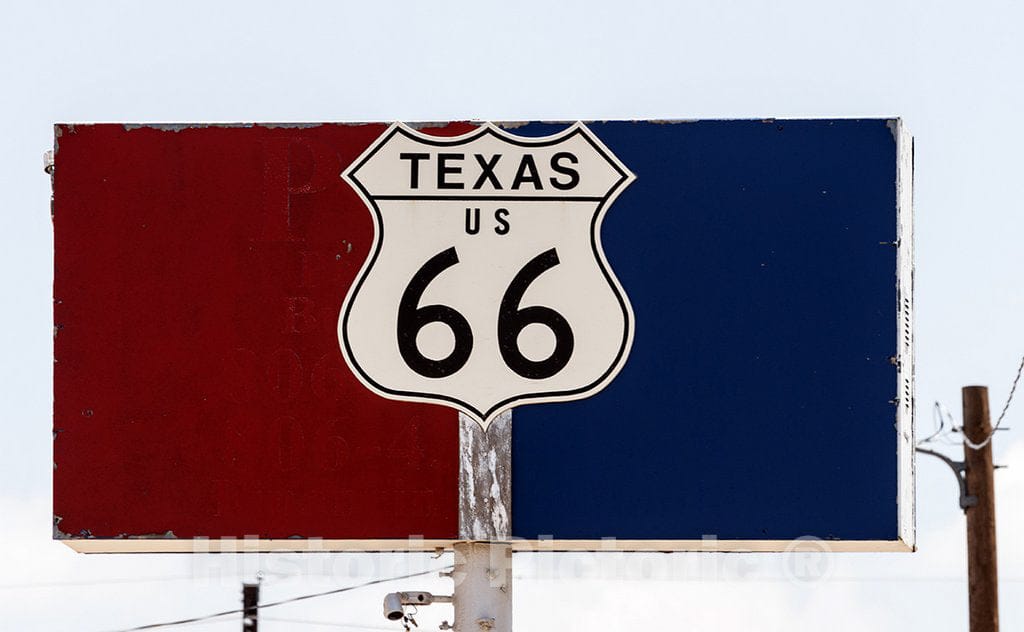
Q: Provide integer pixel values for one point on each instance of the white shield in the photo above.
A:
(486, 286)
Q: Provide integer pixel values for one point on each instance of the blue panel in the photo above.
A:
(756, 401)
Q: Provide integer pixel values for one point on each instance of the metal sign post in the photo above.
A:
(483, 564)
(483, 587)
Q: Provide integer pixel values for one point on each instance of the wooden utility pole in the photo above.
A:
(982, 579)
(250, 607)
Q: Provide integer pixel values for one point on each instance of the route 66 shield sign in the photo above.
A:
(486, 286)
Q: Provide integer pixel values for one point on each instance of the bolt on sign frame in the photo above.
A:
(202, 401)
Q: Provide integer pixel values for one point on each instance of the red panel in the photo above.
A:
(198, 383)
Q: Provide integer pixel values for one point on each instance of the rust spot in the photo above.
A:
(167, 535)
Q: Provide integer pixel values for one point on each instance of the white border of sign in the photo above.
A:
(905, 412)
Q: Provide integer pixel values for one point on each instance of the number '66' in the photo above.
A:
(511, 320)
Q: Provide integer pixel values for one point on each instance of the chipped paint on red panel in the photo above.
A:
(198, 383)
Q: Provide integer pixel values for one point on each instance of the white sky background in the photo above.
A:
(951, 69)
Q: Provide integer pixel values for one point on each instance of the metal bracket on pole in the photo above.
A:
(394, 603)
(960, 471)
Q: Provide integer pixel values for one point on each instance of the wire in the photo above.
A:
(167, 624)
(329, 624)
(940, 424)
(945, 427)
(99, 582)
(129, 580)
(999, 422)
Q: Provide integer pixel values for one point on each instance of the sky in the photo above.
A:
(951, 70)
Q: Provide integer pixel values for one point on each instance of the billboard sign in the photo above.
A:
(691, 335)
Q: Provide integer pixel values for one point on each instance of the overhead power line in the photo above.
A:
(335, 591)
(945, 427)
(331, 624)
(1006, 406)
(96, 582)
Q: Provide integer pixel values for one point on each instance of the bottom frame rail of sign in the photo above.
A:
(485, 512)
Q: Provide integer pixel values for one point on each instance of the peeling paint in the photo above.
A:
(485, 478)
(87, 534)
(57, 533)
(167, 535)
(671, 121)
(894, 125)
(429, 124)
(177, 127)
(499, 510)
(300, 125)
